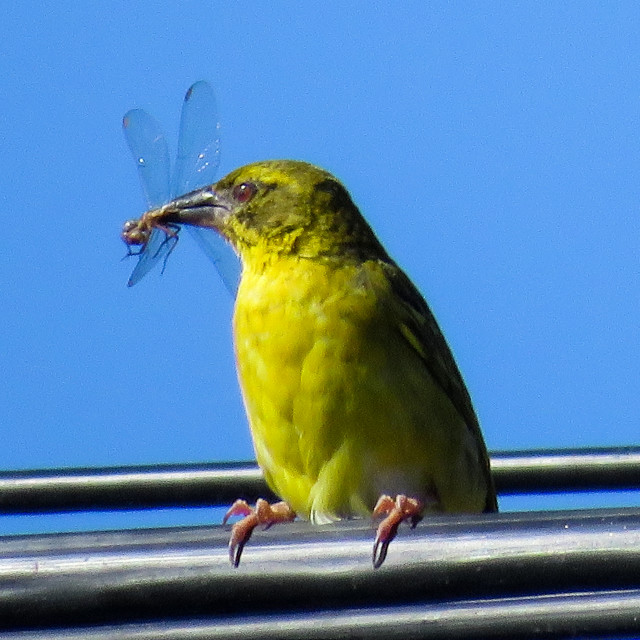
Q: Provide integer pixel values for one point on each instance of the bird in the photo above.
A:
(354, 400)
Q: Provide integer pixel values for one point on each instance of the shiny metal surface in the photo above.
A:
(140, 576)
(220, 483)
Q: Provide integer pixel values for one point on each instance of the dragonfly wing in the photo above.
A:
(196, 165)
(219, 251)
(150, 152)
(198, 154)
(157, 249)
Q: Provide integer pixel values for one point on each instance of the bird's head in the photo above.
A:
(279, 207)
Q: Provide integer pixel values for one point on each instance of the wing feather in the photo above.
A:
(419, 328)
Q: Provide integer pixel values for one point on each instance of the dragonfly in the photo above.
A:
(196, 163)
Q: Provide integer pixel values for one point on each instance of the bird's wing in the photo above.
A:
(419, 327)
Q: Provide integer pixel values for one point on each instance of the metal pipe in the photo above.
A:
(134, 487)
(143, 487)
(564, 470)
(136, 576)
(549, 616)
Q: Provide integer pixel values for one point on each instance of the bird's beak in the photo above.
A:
(201, 208)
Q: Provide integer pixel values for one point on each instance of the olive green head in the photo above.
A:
(280, 207)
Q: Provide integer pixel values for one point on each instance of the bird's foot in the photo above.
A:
(263, 513)
(395, 512)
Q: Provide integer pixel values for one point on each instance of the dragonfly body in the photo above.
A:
(138, 232)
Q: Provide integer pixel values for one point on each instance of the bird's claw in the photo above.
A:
(395, 512)
(263, 513)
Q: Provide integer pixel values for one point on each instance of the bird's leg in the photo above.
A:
(395, 512)
(263, 513)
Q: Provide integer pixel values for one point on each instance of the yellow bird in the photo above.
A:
(355, 403)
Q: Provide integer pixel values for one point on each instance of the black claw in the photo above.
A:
(378, 559)
(235, 553)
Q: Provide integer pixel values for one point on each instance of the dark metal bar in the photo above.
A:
(144, 575)
(550, 616)
(135, 487)
(143, 487)
(557, 470)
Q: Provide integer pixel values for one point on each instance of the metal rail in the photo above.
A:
(578, 615)
(549, 573)
(146, 487)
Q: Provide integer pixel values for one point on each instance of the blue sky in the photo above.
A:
(494, 147)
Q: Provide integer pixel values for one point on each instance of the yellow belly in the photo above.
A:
(341, 407)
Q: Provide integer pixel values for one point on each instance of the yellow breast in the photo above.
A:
(340, 405)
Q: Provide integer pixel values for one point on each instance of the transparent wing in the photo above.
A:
(150, 152)
(198, 154)
(156, 250)
(221, 254)
(196, 165)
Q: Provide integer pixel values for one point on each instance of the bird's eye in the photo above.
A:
(242, 193)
